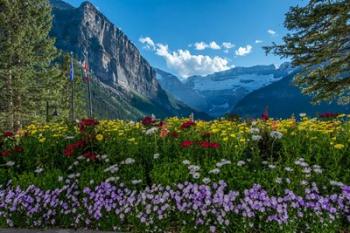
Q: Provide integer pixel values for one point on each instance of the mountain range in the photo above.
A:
(128, 87)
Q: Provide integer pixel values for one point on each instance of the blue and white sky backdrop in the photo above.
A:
(199, 37)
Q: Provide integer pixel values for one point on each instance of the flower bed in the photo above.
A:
(179, 175)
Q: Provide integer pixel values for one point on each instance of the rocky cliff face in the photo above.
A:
(112, 57)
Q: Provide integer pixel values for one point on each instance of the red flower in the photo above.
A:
(5, 153)
(328, 115)
(187, 124)
(90, 155)
(214, 145)
(18, 149)
(84, 123)
(8, 134)
(79, 144)
(206, 144)
(265, 115)
(174, 134)
(148, 120)
(70, 149)
(186, 144)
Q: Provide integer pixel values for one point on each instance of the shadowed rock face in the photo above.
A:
(113, 58)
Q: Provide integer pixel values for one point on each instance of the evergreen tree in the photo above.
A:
(319, 42)
(28, 76)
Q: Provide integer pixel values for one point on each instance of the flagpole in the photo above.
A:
(87, 78)
(72, 86)
(89, 94)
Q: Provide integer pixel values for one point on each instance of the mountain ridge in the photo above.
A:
(217, 93)
(283, 99)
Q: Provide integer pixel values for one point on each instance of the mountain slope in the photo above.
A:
(179, 90)
(283, 99)
(216, 94)
(114, 60)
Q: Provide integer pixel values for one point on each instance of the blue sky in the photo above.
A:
(188, 37)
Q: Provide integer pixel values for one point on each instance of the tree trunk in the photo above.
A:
(10, 110)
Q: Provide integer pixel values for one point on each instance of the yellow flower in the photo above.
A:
(42, 139)
(338, 146)
(99, 137)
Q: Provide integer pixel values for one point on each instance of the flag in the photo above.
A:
(85, 67)
(71, 73)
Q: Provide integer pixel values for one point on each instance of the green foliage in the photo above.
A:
(319, 42)
(33, 74)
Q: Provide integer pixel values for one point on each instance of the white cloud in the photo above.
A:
(200, 45)
(148, 42)
(242, 51)
(228, 45)
(214, 45)
(271, 32)
(186, 64)
(258, 41)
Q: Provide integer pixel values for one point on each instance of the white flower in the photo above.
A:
(129, 161)
(223, 162)
(317, 169)
(111, 179)
(10, 163)
(196, 175)
(92, 181)
(276, 135)
(39, 170)
(302, 114)
(156, 156)
(271, 166)
(136, 181)
(240, 163)
(194, 168)
(186, 162)
(336, 183)
(288, 180)
(265, 162)
(307, 170)
(304, 182)
(206, 180)
(76, 163)
(60, 179)
(288, 169)
(254, 130)
(112, 169)
(254, 123)
(214, 171)
(256, 138)
(151, 130)
(278, 180)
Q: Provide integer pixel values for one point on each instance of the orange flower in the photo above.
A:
(164, 131)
